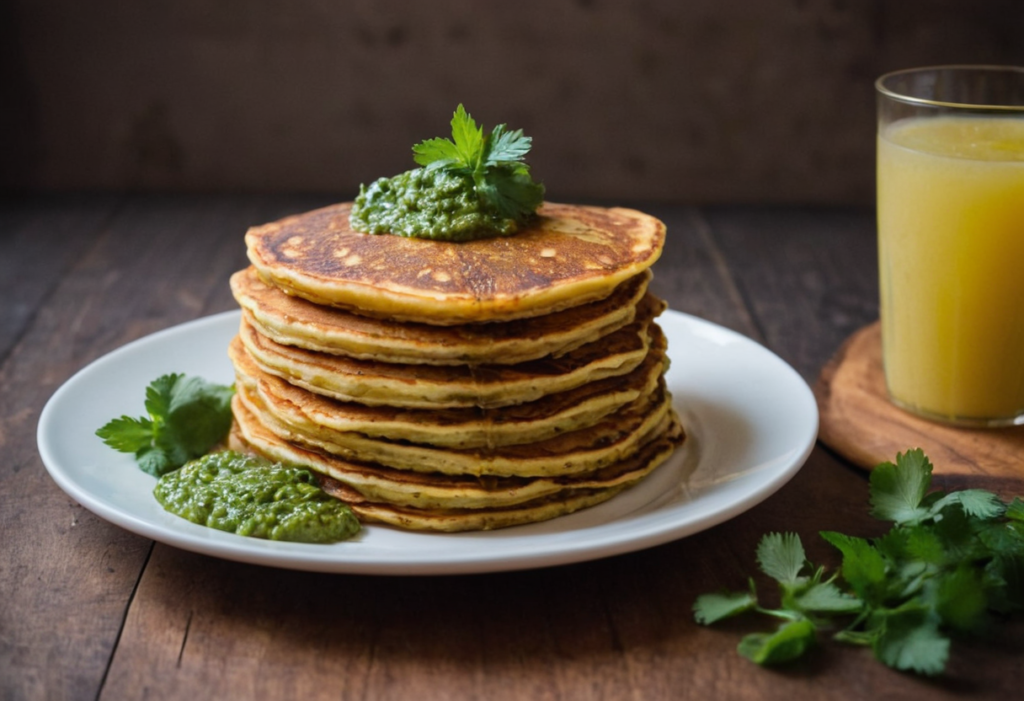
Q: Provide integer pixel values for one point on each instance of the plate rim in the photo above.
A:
(319, 558)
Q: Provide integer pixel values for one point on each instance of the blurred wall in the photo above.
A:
(694, 101)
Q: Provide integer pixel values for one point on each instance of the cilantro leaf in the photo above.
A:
(1015, 511)
(468, 137)
(909, 639)
(709, 608)
(494, 162)
(1004, 579)
(924, 544)
(155, 461)
(436, 153)
(507, 147)
(781, 556)
(863, 567)
(960, 598)
(513, 192)
(898, 490)
(827, 597)
(158, 396)
(979, 503)
(788, 643)
(187, 417)
(947, 562)
(126, 434)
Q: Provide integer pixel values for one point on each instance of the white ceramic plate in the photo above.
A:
(750, 418)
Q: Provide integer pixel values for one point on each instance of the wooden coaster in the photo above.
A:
(859, 422)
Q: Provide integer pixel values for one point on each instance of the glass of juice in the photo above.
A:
(951, 242)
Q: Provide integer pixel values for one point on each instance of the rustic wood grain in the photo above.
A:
(808, 275)
(692, 274)
(619, 628)
(90, 611)
(39, 241)
(861, 424)
(67, 576)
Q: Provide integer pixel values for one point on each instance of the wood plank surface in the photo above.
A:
(67, 576)
(90, 611)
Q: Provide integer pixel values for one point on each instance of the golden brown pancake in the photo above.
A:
(456, 386)
(571, 255)
(584, 450)
(457, 520)
(293, 321)
(433, 387)
(459, 428)
(379, 483)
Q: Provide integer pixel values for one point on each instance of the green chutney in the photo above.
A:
(428, 203)
(249, 496)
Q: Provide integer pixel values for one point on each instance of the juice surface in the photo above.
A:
(951, 253)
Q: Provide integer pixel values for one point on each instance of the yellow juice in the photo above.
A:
(951, 254)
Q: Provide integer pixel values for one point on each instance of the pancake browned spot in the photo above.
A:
(570, 255)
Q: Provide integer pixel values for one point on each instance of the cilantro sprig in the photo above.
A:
(187, 416)
(948, 563)
(494, 162)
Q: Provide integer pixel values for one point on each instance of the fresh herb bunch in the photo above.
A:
(494, 162)
(949, 562)
(187, 417)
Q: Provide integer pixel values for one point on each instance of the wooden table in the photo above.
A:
(89, 611)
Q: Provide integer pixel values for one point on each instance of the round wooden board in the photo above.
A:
(859, 422)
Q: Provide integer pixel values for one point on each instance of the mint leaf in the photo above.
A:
(788, 643)
(781, 556)
(187, 417)
(896, 491)
(710, 608)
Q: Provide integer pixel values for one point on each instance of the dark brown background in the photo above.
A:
(696, 102)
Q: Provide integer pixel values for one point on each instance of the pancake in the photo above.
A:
(459, 428)
(294, 321)
(432, 387)
(571, 255)
(380, 484)
(457, 520)
(585, 450)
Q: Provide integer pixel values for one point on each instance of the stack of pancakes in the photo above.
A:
(456, 386)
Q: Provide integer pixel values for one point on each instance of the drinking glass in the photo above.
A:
(951, 241)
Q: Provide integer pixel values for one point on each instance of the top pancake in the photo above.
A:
(570, 256)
